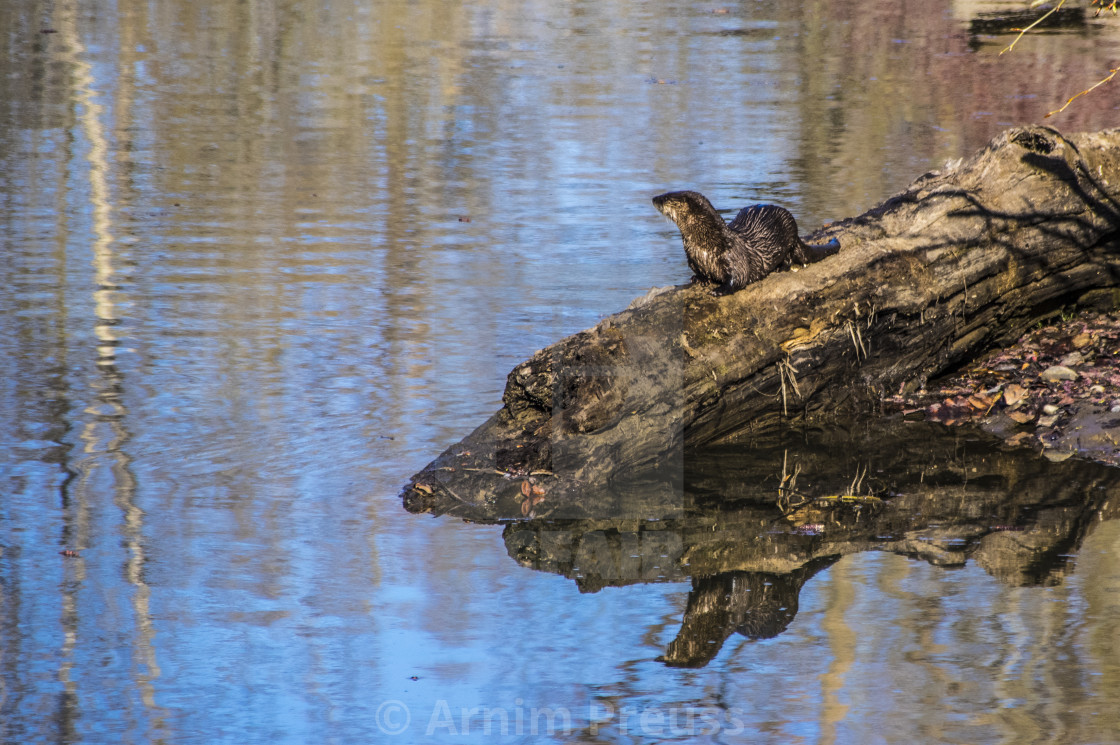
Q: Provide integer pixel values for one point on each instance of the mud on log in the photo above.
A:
(964, 259)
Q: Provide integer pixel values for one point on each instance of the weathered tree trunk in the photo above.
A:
(965, 259)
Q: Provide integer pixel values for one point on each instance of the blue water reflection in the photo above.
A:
(262, 261)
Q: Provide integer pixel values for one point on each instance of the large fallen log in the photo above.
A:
(964, 259)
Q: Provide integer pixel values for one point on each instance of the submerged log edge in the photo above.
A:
(965, 259)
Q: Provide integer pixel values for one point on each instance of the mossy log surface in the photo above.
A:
(964, 259)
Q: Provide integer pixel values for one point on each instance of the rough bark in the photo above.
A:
(964, 259)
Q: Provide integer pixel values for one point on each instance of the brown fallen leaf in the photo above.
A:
(1013, 394)
(980, 401)
(1022, 417)
(526, 488)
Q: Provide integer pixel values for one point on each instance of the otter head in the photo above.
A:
(681, 206)
(704, 232)
(693, 214)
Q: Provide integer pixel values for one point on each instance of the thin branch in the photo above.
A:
(1039, 20)
(1111, 75)
(1102, 5)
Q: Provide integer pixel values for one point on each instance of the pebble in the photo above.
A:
(1049, 409)
(1057, 372)
(1071, 359)
(1096, 390)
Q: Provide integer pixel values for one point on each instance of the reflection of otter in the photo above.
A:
(759, 240)
(758, 605)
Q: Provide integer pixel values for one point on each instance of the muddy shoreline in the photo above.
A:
(1056, 389)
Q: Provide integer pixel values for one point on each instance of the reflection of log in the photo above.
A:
(947, 496)
(1010, 21)
(964, 259)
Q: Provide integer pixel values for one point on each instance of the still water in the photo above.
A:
(263, 260)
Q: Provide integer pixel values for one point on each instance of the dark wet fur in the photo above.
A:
(759, 240)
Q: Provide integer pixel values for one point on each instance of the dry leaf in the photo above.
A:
(980, 401)
(1013, 394)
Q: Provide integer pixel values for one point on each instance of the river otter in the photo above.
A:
(759, 240)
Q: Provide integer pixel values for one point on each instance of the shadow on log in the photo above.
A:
(964, 259)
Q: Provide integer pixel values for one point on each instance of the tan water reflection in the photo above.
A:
(263, 259)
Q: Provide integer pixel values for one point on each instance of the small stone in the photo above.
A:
(1047, 421)
(1081, 340)
(1056, 373)
(1050, 409)
(1071, 359)
(1096, 390)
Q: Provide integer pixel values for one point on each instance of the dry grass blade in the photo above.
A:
(786, 371)
(857, 340)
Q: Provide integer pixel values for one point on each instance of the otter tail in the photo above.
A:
(807, 253)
